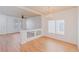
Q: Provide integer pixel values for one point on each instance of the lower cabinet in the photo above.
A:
(3, 43)
(10, 42)
(28, 35)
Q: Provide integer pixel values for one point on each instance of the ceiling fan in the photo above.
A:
(22, 17)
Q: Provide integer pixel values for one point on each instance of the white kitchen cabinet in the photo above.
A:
(10, 42)
(33, 23)
(13, 42)
(2, 24)
(10, 25)
(13, 25)
(23, 24)
(17, 24)
(3, 43)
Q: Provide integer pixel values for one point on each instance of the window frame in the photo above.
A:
(55, 27)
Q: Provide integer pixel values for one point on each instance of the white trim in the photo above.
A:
(55, 37)
(31, 10)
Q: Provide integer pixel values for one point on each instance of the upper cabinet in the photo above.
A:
(33, 22)
(23, 24)
(9, 24)
(3, 24)
(13, 24)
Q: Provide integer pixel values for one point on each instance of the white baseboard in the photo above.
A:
(62, 39)
(50, 36)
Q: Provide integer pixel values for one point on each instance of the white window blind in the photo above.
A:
(56, 27)
(51, 26)
(60, 27)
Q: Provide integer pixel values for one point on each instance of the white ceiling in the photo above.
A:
(31, 10)
(15, 11)
(50, 9)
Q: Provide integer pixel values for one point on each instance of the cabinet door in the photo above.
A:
(33, 23)
(10, 25)
(3, 43)
(17, 24)
(13, 24)
(2, 24)
(13, 43)
(23, 24)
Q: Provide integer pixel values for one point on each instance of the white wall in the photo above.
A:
(70, 18)
(78, 29)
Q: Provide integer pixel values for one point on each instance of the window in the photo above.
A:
(51, 26)
(56, 27)
(60, 27)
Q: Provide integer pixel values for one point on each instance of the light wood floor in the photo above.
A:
(45, 44)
